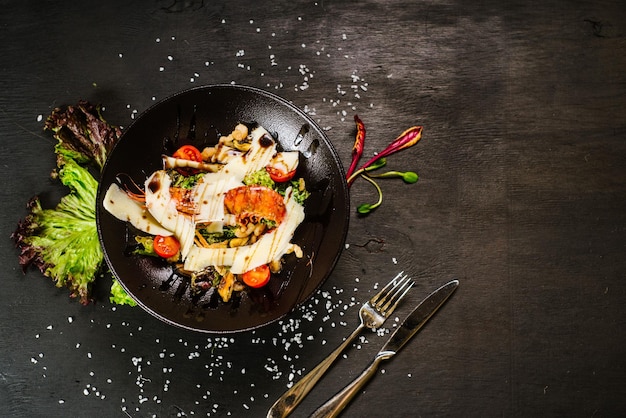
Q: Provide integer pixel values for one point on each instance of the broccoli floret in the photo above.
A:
(184, 182)
(259, 178)
(298, 188)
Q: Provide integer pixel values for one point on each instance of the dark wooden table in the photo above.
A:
(522, 197)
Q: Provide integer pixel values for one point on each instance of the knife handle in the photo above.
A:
(337, 403)
(292, 397)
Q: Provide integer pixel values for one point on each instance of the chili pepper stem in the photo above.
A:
(381, 162)
(366, 208)
(354, 176)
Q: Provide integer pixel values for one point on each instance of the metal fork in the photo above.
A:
(372, 314)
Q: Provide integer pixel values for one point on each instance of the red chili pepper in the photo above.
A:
(405, 140)
(359, 143)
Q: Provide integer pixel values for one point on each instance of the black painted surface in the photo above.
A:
(520, 197)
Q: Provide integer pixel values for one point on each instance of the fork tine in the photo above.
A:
(393, 301)
(385, 290)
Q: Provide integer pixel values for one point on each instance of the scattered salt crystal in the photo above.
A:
(39, 118)
(70, 319)
(61, 401)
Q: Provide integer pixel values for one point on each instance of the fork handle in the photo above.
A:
(337, 403)
(293, 396)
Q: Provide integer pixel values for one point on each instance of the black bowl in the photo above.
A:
(198, 116)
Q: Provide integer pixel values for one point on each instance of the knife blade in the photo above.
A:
(411, 325)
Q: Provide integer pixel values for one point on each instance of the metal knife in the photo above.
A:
(420, 315)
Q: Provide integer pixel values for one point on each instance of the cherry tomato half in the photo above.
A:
(188, 152)
(278, 175)
(166, 247)
(257, 277)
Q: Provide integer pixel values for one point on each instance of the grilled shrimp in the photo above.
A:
(250, 204)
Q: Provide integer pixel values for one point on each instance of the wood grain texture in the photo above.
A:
(521, 197)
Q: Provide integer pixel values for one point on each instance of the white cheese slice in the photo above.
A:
(286, 161)
(209, 196)
(160, 204)
(120, 205)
